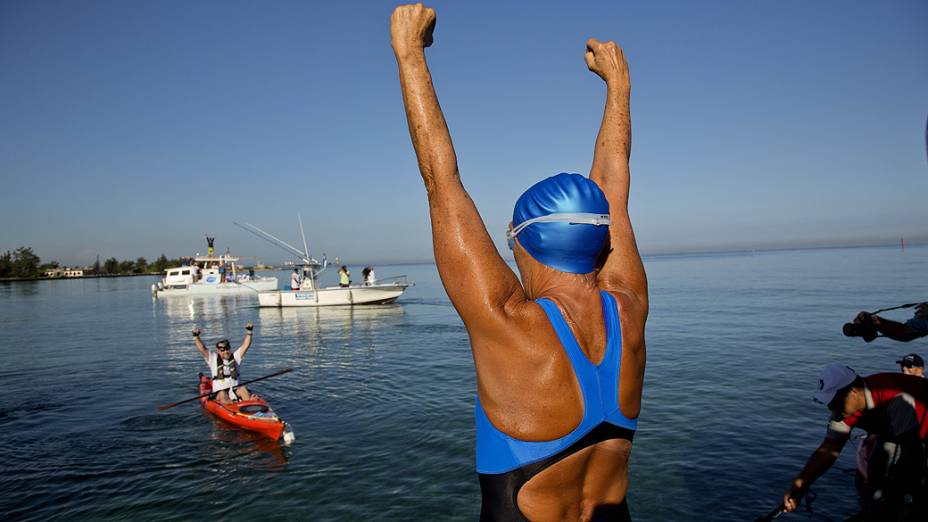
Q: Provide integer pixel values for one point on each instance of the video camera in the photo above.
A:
(865, 330)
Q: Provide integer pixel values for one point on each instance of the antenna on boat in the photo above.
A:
(305, 248)
(303, 256)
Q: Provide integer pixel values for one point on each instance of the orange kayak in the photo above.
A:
(254, 414)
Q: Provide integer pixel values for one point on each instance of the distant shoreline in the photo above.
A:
(91, 276)
(695, 252)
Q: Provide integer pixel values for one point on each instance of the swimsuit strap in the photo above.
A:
(497, 452)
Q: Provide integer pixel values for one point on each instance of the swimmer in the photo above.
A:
(559, 350)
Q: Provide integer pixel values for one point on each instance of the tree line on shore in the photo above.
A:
(23, 263)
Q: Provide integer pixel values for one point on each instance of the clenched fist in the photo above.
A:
(607, 61)
(411, 27)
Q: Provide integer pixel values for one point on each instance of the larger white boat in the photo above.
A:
(311, 294)
(211, 275)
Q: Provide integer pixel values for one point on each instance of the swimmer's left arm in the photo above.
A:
(623, 268)
(477, 279)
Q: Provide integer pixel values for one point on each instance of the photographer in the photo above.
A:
(867, 325)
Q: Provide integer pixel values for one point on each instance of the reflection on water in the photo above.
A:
(192, 307)
(230, 443)
(219, 317)
(12, 289)
(312, 320)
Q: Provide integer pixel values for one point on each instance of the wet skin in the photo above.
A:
(525, 380)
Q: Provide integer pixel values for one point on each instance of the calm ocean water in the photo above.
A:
(382, 397)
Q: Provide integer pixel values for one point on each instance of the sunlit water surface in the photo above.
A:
(382, 397)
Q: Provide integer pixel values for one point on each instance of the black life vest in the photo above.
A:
(221, 369)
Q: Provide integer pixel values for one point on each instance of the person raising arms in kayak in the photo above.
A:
(559, 351)
(224, 365)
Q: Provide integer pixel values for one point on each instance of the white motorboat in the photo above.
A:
(211, 275)
(384, 291)
(308, 295)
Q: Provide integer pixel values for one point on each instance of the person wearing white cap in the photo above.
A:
(892, 406)
(912, 364)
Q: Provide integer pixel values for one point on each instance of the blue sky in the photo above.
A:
(133, 128)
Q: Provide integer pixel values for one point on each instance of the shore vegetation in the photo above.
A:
(23, 263)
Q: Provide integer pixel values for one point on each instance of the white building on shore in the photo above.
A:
(64, 272)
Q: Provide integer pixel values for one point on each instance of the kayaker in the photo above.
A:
(912, 364)
(224, 365)
(892, 406)
(559, 354)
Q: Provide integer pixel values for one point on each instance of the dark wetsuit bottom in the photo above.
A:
(603, 513)
(612, 512)
(500, 492)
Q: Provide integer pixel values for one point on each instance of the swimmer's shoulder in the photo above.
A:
(516, 321)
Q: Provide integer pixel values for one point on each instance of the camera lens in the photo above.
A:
(850, 330)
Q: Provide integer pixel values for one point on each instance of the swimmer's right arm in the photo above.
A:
(821, 460)
(477, 280)
(623, 269)
(200, 346)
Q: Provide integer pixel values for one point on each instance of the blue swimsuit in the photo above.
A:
(505, 464)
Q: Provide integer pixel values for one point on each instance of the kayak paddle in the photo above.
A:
(162, 408)
(772, 515)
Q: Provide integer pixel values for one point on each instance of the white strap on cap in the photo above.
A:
(574, 218)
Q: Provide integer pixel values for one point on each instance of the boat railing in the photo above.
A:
(392, 280)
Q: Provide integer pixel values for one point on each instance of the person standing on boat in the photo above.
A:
(295, 280)
(559, 351)
(224, 365)
(344, 277)
(369, 277)
(892, 406)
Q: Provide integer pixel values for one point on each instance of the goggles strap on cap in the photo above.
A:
(574, 218)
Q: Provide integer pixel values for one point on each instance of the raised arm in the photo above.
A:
(246, 343)
(478, 281)
(200, 346)
(623, 269)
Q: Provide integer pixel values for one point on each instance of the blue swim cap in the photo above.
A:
(563, 246)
